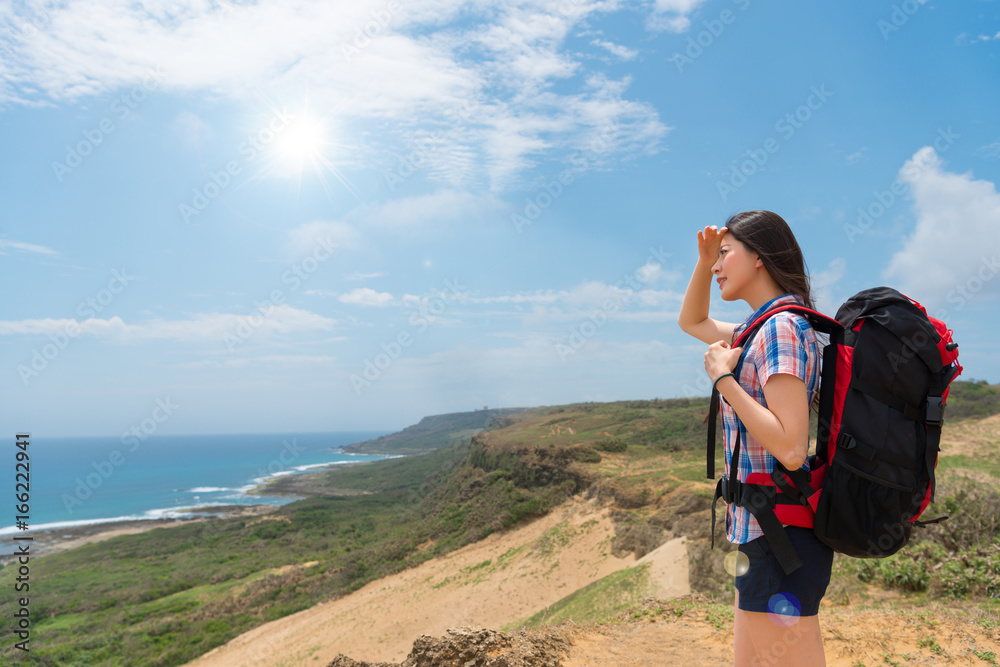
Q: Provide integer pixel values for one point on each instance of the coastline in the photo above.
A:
(306, 484)
(53, 540)
(300, 485)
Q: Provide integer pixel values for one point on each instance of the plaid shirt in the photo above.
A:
(785, 343)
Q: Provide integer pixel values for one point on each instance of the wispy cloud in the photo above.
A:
(25, 247)
(198, 328)
(365, 296)
(617, 50)
(673, 15)
(484, 89)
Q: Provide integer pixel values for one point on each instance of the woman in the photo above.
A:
(756, 259)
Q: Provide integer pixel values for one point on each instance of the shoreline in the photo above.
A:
(306, 484)
(300, 485)
(53, 540)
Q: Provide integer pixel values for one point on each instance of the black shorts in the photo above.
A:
(765, 587)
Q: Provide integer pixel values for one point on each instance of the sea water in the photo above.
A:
(77, 481)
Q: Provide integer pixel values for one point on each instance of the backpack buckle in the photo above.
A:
(934, 414)
(731, 490)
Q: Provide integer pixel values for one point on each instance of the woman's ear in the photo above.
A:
(759, 263)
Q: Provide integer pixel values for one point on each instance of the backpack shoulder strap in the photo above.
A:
(819, 321)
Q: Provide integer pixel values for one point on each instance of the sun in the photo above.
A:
(307, 144)
(305, 141)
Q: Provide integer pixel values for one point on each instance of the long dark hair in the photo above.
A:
(769, 236)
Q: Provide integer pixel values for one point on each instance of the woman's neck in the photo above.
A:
(761, 291)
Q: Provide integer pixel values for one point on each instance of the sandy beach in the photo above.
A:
(60, 539)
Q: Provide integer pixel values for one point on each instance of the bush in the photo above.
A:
(957, 558)
(587, 455)
(616, 445)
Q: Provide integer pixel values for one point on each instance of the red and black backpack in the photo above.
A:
(885, 378)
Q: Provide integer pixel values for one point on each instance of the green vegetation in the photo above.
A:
(169, 595)
(958, 558)
(166, 596)
(967, 400)
(600, 601)
(434, 432)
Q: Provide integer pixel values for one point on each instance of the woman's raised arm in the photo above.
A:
(693, 318)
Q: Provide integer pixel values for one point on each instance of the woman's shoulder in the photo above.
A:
(784, 326)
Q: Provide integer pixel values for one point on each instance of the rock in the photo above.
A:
(479, 647)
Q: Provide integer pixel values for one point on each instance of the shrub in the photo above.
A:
(616, 445)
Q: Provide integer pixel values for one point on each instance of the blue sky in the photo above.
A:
(301, 216)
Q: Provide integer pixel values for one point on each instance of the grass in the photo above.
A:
(169, 595)
(600, 601)
(166, 596)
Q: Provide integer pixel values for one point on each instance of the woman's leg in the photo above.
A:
(775, 645)
(744, 653)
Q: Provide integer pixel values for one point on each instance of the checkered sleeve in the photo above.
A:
(781, 348)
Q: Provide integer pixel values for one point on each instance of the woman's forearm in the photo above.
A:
(789, 441)
(694, 307)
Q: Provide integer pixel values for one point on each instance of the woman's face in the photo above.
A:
(735, 268)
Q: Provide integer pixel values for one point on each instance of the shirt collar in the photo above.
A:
(773, 303)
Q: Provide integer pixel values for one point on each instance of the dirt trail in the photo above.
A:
(888, 636)
(501, 579)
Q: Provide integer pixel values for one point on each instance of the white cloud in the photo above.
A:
(617, 50)
(417, 71)
(673, 15)
(992, 150)
(952, 254)
(198, 328)
(435, 208)
(365, 296)
(823, 283)
(25, 247)
(278, 360)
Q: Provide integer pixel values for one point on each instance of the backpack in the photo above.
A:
(885, 378)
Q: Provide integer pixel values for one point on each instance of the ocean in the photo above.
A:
(78, 481)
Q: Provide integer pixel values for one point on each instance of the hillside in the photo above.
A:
(639, 464)
(433, 432)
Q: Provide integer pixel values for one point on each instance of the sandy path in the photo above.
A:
(501, 579)
(851, 637)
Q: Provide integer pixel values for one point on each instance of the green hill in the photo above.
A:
(169, 595)
(433, 432)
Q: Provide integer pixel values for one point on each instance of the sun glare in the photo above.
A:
(303, 141)
(303, 147)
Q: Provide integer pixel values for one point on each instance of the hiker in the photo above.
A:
(755, 258)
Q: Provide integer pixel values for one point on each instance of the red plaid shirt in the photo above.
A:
(785, 343)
